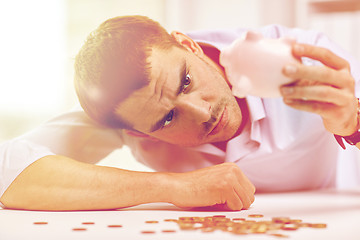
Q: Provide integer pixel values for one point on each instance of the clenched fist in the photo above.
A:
(223, 184)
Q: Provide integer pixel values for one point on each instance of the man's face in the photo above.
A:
(187, 102)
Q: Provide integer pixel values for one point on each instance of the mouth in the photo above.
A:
(223, 119)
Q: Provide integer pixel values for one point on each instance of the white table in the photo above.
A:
(340, 210)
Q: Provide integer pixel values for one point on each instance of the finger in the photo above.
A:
(323, 55)
(309, 106)
(318, 93)
(246, 197)
(321, 74)
(234, 202)
(244, 181)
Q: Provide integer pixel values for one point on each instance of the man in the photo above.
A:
(171, 97)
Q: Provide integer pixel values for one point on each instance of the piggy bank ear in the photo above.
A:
(241, 86)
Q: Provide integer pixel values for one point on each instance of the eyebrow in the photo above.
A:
(182, 76)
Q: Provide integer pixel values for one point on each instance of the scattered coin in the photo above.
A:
(88, 223)
(40, 223)
(79, 229)
(170, 220)
(114, 226)
(279, 235)
(168, 231)
(318, 225)
(281, 220)
(255, 215)
(151, 221)
(147, 232)
(290, 227)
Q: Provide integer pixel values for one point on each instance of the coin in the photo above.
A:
(152, 221)
(279, 235)
(40, 223)
(256, 215)
(79, 229)
(147, 232)
(168, 231)
(318, 225)
(170, 220)
(88, 223)
(115, 226)
(281, 219)
(289, 227)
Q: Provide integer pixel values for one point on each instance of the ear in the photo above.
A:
(140, 135)
(187, 42)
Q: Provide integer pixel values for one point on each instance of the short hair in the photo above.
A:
(112, 64)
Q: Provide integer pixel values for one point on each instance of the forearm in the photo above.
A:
(60, 183)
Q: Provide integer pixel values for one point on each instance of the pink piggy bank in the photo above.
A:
(253, 65)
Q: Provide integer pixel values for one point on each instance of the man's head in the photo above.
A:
(112, 63)
(166, 88)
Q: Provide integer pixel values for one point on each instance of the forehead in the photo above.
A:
(146, 106)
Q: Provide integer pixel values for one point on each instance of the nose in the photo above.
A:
(194, 108)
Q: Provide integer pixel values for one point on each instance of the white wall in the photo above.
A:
(32, 63)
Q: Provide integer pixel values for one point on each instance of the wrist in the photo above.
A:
(352, 137)
(166, 187)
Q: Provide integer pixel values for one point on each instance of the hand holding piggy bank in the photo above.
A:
(254, 65)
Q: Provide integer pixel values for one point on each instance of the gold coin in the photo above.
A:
(79, 229)
(147, 232)
(304, 224)
(114, 226)
(170, 220)
(281, 219)
(40, 223)
(207, 229)
(279, 235)
(318, 225)
(295, 220)
(289, 227)
(88, 223)
(152, 221)
(168, 231)
(255, 215)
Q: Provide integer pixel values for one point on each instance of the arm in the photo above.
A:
(60, 183)
(327, 90)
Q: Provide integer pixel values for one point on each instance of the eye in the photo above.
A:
(168, 118)
(186, 82)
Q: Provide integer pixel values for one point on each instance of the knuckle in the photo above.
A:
(224, 183)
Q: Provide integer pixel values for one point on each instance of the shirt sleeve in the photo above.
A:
(71, 134)
(15, 156)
